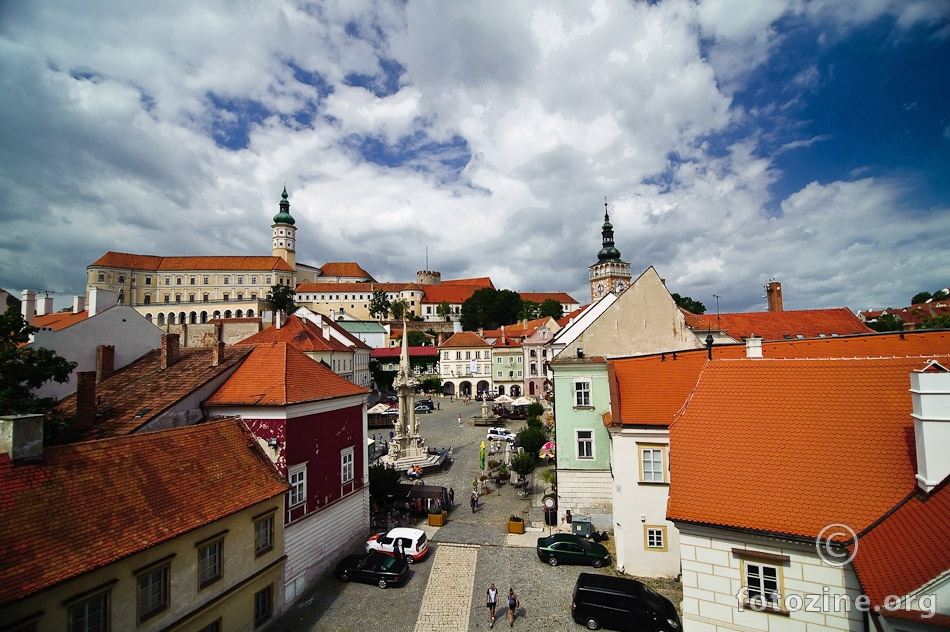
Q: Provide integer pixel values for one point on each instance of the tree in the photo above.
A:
(532, 439)
(416, 338)
(379, 305)
(523, 463)
(689, 304)
(444, 310)
(887, 322)
(535, 409)
(489, 309)
(529, 310)
(551, 307)
(383, 481)
(24, 369)
(921, 297)
(400, 308)
(281, 298)
(935, 322)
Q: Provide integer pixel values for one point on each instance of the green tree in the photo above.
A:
(921, 297)
(383, 481)
(24, 369)
(887, 322)
(529, 310)
(689, 304)
(490, 309)
(400, 308)
(532, 439)
(535, 409)
(444, 310)
(551, 307)
(523, 463)
(379, 305)
(416, 338)
(281, 298)
(935, 322)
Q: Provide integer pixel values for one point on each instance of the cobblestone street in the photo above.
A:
(446, 591)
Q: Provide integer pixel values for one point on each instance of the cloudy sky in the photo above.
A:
(734, 141)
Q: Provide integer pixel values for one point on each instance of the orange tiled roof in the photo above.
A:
(540, 297)
(59, 524)
(910, 548)
(806, 442)
(353, 286)
(699, 322)
(427, 351)
(451, 294)
(464, 339)
(565, 320)
(652, 389)
(810, 323)
(478, 282)
(60, 320)
(345, 269)
(276, 374)
(137, 393)
(172, 264)
(300, 333)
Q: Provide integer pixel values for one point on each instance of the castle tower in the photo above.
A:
(284, 233)
(610, 273)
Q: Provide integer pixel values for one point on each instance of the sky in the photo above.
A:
(734, 142)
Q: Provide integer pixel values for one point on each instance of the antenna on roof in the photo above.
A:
(427, 257)
(718, 322)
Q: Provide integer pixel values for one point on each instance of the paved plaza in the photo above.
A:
(446, 591)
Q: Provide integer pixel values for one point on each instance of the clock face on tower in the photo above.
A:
(600, 289)
(619, 286)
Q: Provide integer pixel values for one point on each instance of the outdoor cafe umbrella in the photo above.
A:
(523, 401)
(547, 450)
(481, 455)
(503, 399)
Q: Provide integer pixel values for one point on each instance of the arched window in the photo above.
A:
(239, 314)
(250, 313)
(227, 313)
(193, 318)
(216, 314)
(182, 318)
(161, 320)
(171, 318)
(148, 317)
(204, 317)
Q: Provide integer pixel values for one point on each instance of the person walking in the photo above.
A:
(459, 418)
(513, 605)
(491, 600)
(474, 501)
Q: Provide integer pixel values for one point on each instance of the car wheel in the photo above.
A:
(597, 563)
(552, 561)
(344, 576)
(410, 560)
(592, 623)
(383, 583)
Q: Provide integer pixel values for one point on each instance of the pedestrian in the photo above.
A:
(474, 501)
(459, 418)
(513, 605)
(491, 600)
(452, 496)
(391, 435)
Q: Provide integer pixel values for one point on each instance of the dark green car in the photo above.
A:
(567, 548)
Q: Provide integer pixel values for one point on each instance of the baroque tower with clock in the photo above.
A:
(284, 233)
(610, 273)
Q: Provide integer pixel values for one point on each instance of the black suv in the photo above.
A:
(617, 603)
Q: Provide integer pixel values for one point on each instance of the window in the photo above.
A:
(177, 280)
(581, 393)
(102, 277)
(148, 280)
(192, 280)
(298, 485)
(240, 280)
(178, 298)
(204, 280)
(226, 296)
(468, 355)
(763, 582)
(205, 297)
(240, 296)
(121, 278)
(346, 465)
(152, 592)
(168, 298)
(210, 562)
(191, 298)
(498, 360)
(90, 614)
(458, 355)
(585, 444)
(263, 605)
(654, 538)
(148, 299)
(168, 280)
(268, 281)
(652, 469)
(214, 626)
(254, 279)
(445, 355)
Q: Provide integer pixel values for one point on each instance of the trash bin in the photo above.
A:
(581, 526)
(550, 516)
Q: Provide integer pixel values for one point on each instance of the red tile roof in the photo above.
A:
(909, 549)
(172, 264)
(142, 390)
(276, 374)
(464, 339)
(810, 323)
(540, 297)
(451, 294)
(565, 320)
(790, 446)
(353, 286)
(301, 334)
(428, 351)
(700, 322)
(87, 505)
(60, 320)
(345, 269)
(478, 282)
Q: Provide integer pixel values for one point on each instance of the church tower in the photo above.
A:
(610, 273)
(285, 234)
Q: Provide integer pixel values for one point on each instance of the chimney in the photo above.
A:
(28, 305)
(44, 306)
(105, 362)
(217, 353)
(100, 300)
(773, 291)
(85, 399)
(930, 394)
(169, 355)
(21, 437)
(79, 304)
(503, 335)
(481, 332)
(326, 329)
(753, 347)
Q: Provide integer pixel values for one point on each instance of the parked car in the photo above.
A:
(567, 548)
(372, 568)
(428, 403)
(400, 542)
(618, 603)
(422, 409)
(501, 434)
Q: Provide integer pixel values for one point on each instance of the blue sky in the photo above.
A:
(806, 141)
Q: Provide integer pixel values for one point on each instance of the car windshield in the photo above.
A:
(387, 563)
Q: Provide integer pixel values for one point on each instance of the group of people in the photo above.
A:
(491, 601)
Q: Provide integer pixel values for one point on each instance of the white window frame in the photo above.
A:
(297, 477)
(584, 445)
(263, 534)
(210, 561)
(655, 538)
(347, 465)
(648, 457)
(582, 393)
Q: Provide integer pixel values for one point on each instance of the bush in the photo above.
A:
(535, 409)
(523, 463)
(532, 439)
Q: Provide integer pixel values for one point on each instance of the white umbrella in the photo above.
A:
(378, 408)
(503, 399)
(522, 401)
